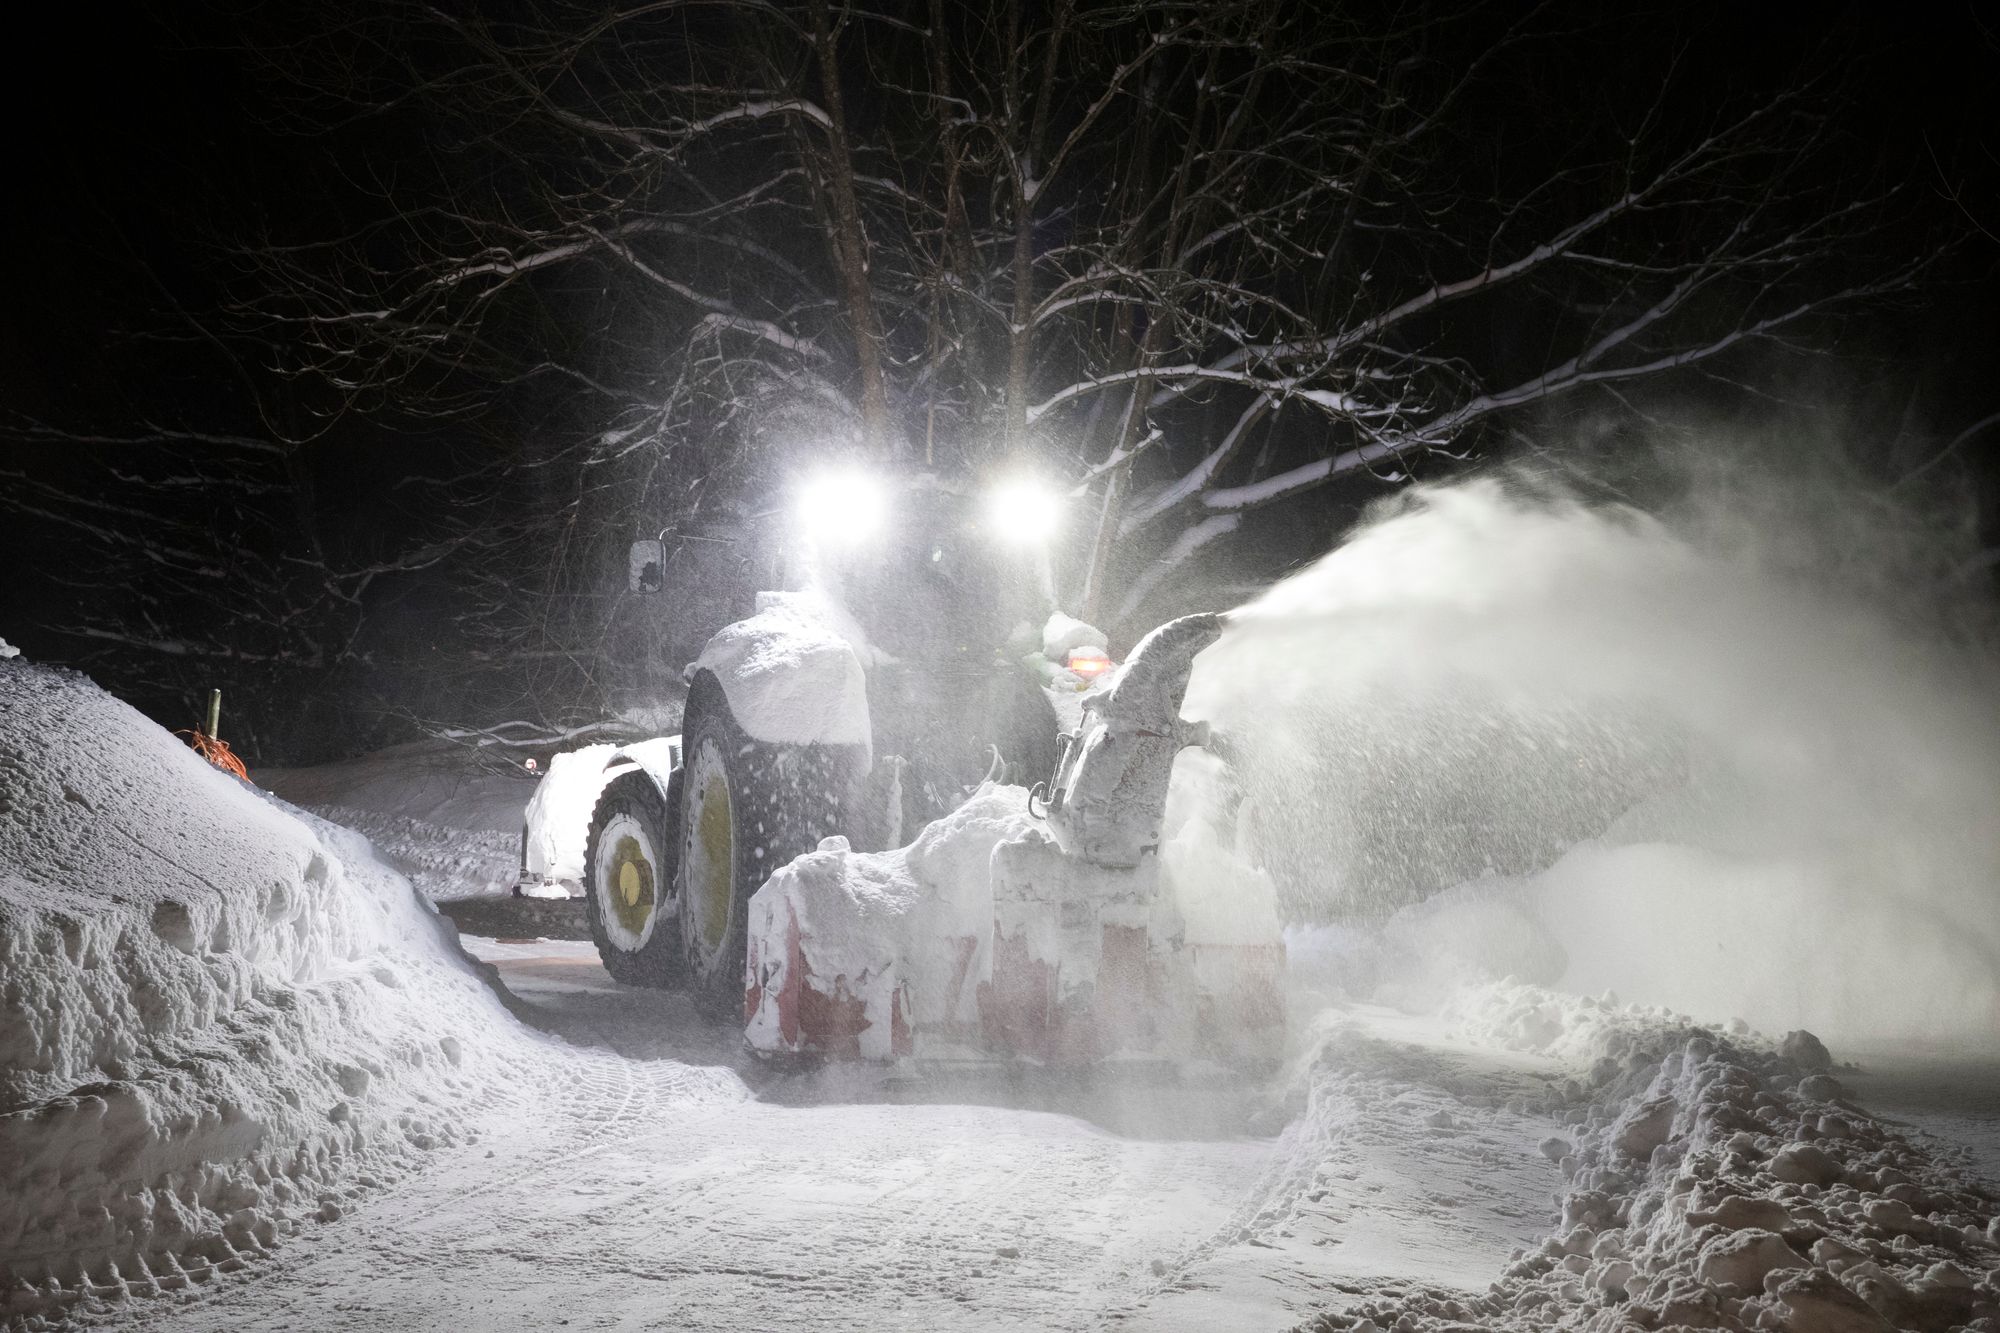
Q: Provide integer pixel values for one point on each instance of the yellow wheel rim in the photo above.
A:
(628, 882)
(633, 899)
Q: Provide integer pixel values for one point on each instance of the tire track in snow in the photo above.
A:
(752, 1216)
(1405, 1162)
(598, 1193)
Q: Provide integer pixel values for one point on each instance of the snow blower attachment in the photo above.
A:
(1070, 949)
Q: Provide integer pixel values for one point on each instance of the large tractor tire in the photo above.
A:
(747, 808)
(629, 884)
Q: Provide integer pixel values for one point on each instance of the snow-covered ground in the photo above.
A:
(451, 826)
(844, 1200)
(222, 1020)
(827, 1202)
(1405, 1166)
(248, 1079)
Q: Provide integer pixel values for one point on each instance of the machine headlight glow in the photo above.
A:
(1088, 661)
(1024, 511)
(843, 506)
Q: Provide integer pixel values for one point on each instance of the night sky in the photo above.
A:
(150, 141)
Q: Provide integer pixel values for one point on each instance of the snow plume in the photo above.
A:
(220, 1019)
(1689, 757)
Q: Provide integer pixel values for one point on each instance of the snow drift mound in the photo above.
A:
(219, 1018)
(1712, 1184)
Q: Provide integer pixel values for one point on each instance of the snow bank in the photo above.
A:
(792, 672)
(1714, 1183)
(1581, 1030)
(221, 1018)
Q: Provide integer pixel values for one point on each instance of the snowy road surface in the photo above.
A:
(833, 1201)
(453, 829)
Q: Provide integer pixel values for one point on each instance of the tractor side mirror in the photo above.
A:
(646, 566)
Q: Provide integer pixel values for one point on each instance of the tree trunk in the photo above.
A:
(1027, 189)
(850, 244)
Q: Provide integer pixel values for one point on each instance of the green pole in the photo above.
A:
(214, 712)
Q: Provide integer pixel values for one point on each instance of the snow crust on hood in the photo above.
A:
(793, 672)
(222, 1018)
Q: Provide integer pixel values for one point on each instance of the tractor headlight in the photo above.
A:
(843, 506)
(1024, 511)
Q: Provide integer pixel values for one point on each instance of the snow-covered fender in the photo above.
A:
(793, 673)
(659, 757)
(557, 821)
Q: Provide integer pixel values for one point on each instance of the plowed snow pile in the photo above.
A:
(220, 1018)
(1715, 1183)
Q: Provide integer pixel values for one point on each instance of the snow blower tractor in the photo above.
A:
(835, 847)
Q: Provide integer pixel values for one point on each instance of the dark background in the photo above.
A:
(147, 140)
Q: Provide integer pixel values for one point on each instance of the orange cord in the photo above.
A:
(216, 751)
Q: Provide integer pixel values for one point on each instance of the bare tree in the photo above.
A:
(1196, 259)
(194, 559)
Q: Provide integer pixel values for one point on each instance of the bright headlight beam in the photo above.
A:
(1024, 511)
(845, 505)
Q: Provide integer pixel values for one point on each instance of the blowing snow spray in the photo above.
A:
(1496, 733)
